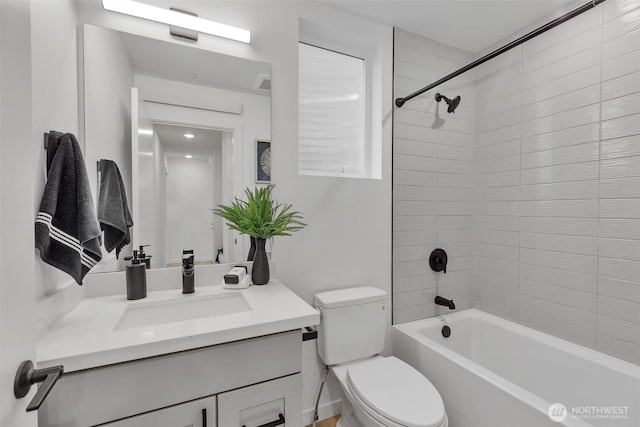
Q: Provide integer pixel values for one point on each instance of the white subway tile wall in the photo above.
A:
(433, 179)
(550, 177)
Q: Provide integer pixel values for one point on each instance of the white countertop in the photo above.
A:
(85, 338)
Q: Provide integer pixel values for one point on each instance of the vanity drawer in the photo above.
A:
(263, 404)
(110, 393)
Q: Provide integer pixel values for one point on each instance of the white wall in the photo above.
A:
(18, 142)
(55, 107)
(557, 215)
(433, 179)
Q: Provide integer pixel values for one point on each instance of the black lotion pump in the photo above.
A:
(438, 260)
(143, 257)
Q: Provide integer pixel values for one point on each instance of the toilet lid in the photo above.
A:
(397, 391)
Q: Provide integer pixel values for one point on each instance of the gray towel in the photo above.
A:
(113, 211)
(67, 230)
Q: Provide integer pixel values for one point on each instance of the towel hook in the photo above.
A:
(26, 376)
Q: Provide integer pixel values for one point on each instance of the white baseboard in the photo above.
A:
(325, 410)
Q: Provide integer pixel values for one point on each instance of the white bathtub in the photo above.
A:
(492, 372)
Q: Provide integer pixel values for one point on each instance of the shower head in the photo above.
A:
(452, 103)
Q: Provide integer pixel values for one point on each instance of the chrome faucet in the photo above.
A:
(188, 270)
(446, 302)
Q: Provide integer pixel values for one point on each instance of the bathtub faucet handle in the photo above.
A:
(438, 260)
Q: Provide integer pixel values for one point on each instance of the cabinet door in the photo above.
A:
(199, 413)
(272, 403)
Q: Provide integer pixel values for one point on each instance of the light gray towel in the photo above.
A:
(113, 211)
(67, 230)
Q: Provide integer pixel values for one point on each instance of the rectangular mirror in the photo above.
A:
(181, 123)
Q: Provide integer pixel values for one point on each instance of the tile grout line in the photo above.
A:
(520, 184)
(599, 179)
(393, 156)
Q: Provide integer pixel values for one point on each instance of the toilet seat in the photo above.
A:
(395, 394)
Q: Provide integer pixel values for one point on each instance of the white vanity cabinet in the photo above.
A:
(250, 381)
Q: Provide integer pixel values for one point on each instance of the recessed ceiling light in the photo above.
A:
(189, 135)
(145, 131)
(188, 156)
(170, 17)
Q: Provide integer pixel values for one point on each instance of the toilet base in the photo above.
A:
(342, 422)
(347, 417)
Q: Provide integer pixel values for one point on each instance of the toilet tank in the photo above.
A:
(352, 324)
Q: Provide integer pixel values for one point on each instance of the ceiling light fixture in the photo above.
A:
(188, 156)
(189, 135)
(170, 17)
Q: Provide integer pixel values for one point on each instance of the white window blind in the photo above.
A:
(331, 114)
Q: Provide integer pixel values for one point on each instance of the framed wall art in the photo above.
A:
(263, 161)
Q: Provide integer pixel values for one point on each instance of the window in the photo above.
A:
(331, 114)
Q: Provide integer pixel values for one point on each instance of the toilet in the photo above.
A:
(377, 391)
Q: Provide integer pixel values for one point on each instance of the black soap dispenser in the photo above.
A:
(136, 276)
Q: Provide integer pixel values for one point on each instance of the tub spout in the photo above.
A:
(446, 302)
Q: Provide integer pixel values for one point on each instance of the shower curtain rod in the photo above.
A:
(587, 6)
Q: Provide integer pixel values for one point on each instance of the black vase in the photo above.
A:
(252, 249)
(260, 272)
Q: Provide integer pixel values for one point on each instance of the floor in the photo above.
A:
(329, 422)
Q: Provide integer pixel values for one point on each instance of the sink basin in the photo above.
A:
(185, 308)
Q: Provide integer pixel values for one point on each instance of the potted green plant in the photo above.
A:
(261, 218)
